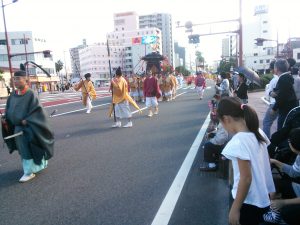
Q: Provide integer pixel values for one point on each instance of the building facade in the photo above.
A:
(163, 22)
(179, 59)
(75, 62)
(25, 46)
(259, 56)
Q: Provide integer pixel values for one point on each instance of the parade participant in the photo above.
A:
(88, 92)
(200, 84)
(140, 88)
(161, 87)
(151, 92)
(121, 100)
(167, 87)
(26, 121)
(174, 86)
(133, 85)
(248, 152)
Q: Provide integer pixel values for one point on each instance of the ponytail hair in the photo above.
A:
(232, 106)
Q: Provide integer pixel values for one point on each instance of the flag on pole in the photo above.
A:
(108, 51)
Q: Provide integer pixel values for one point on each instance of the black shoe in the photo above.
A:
(208, 169)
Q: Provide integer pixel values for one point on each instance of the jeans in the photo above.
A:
(268, 121)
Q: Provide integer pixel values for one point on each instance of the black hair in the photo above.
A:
(272, 65)
(243, 76)
(282, 65)
(232, 106)
(87, 75)
(119, 72)
(20, 73)
(223, 75)
(294, 138)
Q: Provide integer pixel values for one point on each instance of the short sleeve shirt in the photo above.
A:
(245, 146)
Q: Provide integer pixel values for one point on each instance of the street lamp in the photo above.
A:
(7, 42)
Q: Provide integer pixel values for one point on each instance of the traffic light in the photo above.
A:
(194, 39)
(47, 54)
(260, 41)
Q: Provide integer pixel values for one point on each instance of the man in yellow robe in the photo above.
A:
(121, 100)
(88, 92)
(174, 86)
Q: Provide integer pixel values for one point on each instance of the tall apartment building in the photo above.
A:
(179, 55)
(75, 61)
(259, 57)
(28, 46)
(162, 21)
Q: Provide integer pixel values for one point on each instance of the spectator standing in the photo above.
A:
(284, 93)
(270, 117)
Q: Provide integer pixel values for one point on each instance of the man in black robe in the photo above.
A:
(26, 120)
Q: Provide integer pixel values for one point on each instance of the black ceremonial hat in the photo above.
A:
(20, 73)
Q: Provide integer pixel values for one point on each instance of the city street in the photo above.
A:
(101, 175)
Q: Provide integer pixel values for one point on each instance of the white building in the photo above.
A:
(94, 60)
(163, 22)
(259, 57)
(296, 54)
(229, 45)
(75, 62)
(27, 46)
(136, 42)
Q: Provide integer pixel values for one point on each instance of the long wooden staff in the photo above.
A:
(110, 74)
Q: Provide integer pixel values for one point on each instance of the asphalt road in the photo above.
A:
(101, 175)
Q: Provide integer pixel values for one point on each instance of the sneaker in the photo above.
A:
(150, 114)
(128, 125)
(206, 168)
(26, 178)
(156, 112)
(117, 124)
(89, 111)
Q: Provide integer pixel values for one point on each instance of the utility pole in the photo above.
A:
(240, 36)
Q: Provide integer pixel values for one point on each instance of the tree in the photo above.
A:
(182, 70)
(59, 66)
(199, 58)
(1, 74)
(225, 65)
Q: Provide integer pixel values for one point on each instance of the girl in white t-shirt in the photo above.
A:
(248, 152)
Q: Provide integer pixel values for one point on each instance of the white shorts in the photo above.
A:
(122, 110)
(151, 102)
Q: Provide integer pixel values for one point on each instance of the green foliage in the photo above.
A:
(183, 70)
(265, 79)
(225, 65)
(59, 66)
(199, 57)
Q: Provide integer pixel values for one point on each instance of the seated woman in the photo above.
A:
(288, 208)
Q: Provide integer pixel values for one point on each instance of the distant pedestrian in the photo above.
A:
(253, 181)
(297, 85)
(26, 119)
(8, 90)
(88, 92)
(224, 88)
(200, 84)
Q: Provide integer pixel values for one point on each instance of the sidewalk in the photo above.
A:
(205, 198)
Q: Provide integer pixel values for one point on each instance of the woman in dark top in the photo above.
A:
(242, 89)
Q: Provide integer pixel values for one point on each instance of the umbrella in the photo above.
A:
(249, 74)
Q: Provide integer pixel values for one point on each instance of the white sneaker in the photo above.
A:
(89, 111)
(129, 124)
(26, 177)
(150, 114)
(156, 112)
(117, 124)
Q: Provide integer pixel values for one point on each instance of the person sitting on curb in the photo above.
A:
(213, 148)
(288, 208)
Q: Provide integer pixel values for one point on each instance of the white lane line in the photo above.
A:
(166, 209)
(181, 94)
(67, 103)
(134, 112)
(209, 87)
(265, 101)
(77, 110)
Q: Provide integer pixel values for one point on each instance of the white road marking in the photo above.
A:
(134, 112)
(167, 207)
(265, 101)
(77, 110)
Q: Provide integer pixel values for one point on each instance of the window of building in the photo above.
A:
(298, 55)
(3, 42)
(255, 61)
(122, 28)
(255, 54)
(261, 61)
(268, 61)
(265, 22)
(116, 29)
(265, 31)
